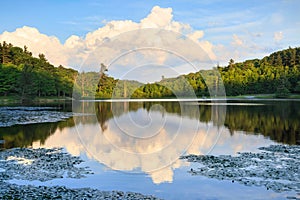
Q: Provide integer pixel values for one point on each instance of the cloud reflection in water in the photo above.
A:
(101, 136)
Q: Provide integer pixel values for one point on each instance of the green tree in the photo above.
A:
(231, 63)
(6, 53)
(282, 91)
(297, 88)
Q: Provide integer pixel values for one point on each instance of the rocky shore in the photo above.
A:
(276, 167)
(44, 165)
(39, 164)
(10, 116)
(28, 192)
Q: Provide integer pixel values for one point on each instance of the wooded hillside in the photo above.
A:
(23, 75)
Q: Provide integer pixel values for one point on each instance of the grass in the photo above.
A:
(17, 99)
(294, 96)
(9, 99)
(51, 99)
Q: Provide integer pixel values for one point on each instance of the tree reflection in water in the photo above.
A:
(277, 120)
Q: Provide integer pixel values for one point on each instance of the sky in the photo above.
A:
(68, 32)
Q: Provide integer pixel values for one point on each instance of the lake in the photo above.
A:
(136, 145)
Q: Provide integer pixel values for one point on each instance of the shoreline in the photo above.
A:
(261, 97)
(4, 100)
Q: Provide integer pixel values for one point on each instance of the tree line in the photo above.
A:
(278, 73)
(26, 76)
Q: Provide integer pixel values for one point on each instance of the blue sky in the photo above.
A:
(65, 18)
(240, 29)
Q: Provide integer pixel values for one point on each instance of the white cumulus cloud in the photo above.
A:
(158, 18)
(196, 35)
(75, 50)
(37, 43)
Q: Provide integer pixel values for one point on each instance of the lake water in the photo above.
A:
(135, 146)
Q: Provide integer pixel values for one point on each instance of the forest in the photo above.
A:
(27, 77)
(278, 74)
